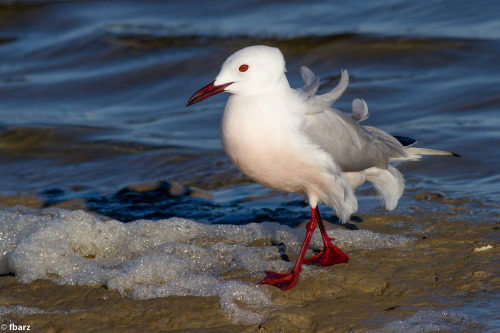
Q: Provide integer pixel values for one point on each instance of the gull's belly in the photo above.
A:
(270, 162)
(268, 152)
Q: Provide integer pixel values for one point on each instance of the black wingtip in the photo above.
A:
(404, 140)
(456, 155)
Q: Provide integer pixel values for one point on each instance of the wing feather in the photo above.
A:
(353, 147)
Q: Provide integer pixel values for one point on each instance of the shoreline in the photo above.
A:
(438, 271)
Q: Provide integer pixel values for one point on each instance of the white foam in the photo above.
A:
(146, 259)
(431, 321)
(22, 311)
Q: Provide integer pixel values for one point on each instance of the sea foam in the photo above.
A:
(425, 321)
(146, 259)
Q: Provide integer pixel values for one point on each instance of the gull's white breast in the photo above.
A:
(263, 138)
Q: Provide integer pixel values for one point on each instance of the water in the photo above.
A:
(92, 100)
(93, 94)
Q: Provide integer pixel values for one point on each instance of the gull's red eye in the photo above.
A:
(243, 68)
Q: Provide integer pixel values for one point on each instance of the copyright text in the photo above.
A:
(15, 327)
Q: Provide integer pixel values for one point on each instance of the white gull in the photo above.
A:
(292, 141)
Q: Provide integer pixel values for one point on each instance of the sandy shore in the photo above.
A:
(440, 269)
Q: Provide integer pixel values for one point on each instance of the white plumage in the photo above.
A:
(292, 141)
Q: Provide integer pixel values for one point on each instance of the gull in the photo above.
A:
(291, 140)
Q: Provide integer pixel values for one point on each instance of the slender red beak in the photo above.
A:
(206, 92)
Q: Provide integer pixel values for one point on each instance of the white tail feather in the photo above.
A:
(415, 154)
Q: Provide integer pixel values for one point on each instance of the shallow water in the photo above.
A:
(93, 116)
(93, 94)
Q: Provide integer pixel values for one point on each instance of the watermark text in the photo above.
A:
(15, 327)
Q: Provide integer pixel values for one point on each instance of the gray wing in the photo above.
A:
(311, 82)
(318, 103)
(352, 146)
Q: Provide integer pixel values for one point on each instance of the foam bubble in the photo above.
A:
(431, 321)
(22, 311)
(146, 259)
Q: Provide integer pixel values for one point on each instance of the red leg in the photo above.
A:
(330, 255)
(287, 281)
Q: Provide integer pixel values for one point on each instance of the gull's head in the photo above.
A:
(248, 71)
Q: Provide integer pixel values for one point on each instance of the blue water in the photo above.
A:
(115, 76)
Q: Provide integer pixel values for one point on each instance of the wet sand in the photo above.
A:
(438, 271)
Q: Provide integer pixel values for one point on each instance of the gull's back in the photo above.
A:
(353, 147)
